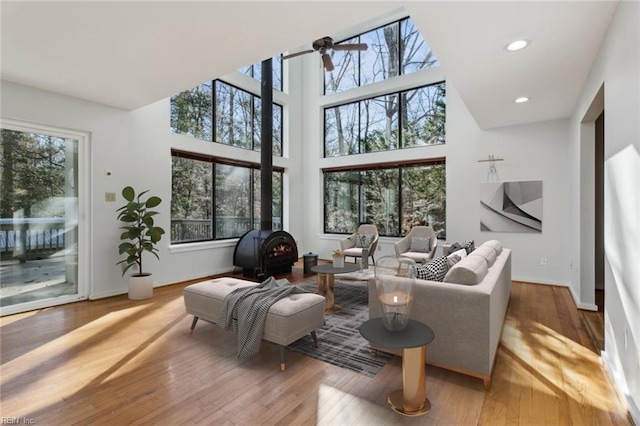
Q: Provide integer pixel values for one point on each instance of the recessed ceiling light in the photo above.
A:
(521, 100)
(517, 45)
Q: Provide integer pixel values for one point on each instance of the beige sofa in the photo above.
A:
(466, 311)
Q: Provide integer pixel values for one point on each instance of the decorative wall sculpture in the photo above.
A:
(511, 206)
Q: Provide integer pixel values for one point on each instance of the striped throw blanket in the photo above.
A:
(244, 311)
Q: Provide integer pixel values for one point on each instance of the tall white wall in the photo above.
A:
(136, 146)
(531, 152)
(617, 67)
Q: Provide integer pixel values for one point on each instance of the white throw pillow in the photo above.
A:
(462, 253)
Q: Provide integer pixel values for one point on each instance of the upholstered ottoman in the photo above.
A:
(289, 319)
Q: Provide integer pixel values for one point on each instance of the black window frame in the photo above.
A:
(400, 119)
(253, 99)
(372, 167)
(401, 47)
(228, 162)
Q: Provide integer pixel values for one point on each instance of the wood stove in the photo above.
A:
(261, 253)
(265, 252)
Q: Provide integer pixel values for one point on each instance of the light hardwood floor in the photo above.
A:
(115, 362)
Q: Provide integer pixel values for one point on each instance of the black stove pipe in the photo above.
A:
(266, 147)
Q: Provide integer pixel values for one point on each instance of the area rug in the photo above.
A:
(340, 342)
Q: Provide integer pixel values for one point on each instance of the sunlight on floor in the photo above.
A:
(541, 351)
(336, 407)
(89, 345)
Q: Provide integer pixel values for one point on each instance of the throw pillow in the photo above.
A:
(462, 253)
(368, 240)
(434, 270)
(452, 259)
(469, 246)
(453, 248)
(420, 244)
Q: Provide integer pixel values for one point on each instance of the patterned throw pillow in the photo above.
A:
(469, 246)
(434, 270)
(453, 248)
(420, 244)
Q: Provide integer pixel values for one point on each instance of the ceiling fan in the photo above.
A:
(324, 45)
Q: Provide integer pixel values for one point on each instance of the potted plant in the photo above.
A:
(140, 235)
(338, 258)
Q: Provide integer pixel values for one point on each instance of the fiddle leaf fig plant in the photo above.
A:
(140, 233)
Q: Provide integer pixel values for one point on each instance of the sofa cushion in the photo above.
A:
(487, 252)
(494, 244)
(470, 271)
(420, 244)
(434, 270)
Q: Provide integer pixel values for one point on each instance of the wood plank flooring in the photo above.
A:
(115, 361)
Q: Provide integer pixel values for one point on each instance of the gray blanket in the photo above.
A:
(244, 311)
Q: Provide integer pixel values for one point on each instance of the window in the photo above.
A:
(219, 112)
(392, 197)
(214, 198)
(394, 49)
(405, 119)
(255, 71)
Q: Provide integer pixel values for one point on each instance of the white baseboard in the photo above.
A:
(538, 281)
(621, 388)
(194, 277)
(104, 295)
(580, 305)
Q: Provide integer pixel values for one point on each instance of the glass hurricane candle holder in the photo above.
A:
(395, 278)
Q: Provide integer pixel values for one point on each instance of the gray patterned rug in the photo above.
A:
(340, 341)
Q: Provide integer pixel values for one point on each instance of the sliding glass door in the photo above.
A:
(39, 218)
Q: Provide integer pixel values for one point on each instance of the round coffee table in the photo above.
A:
(326, 280)
(411, 400)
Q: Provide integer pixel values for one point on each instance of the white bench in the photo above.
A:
(289, 319)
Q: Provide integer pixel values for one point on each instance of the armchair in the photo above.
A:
(417, 249)
(352, 247)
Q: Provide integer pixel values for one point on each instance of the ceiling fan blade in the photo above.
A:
(293, 55)
(326, 60)
(357, 46)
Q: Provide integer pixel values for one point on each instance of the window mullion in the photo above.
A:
(214, 105)
(214, 206)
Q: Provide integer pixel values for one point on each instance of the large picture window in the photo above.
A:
(393, 197)
(405, 119)
(394, 49)
(213, 198)
(219, 112)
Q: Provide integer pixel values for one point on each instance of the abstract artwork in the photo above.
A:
(511, 206)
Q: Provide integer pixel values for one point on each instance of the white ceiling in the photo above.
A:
(130, 54)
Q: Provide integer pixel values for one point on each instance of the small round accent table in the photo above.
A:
(411, 400)
(326, 280)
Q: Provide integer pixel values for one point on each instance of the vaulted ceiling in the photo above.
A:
(130, 54)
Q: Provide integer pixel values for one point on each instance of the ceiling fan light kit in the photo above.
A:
(324, 46)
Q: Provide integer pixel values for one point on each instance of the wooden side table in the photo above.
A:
(411, 400)
(326, 281)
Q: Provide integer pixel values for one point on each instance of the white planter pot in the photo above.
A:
(141, 286)
(338, 262)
